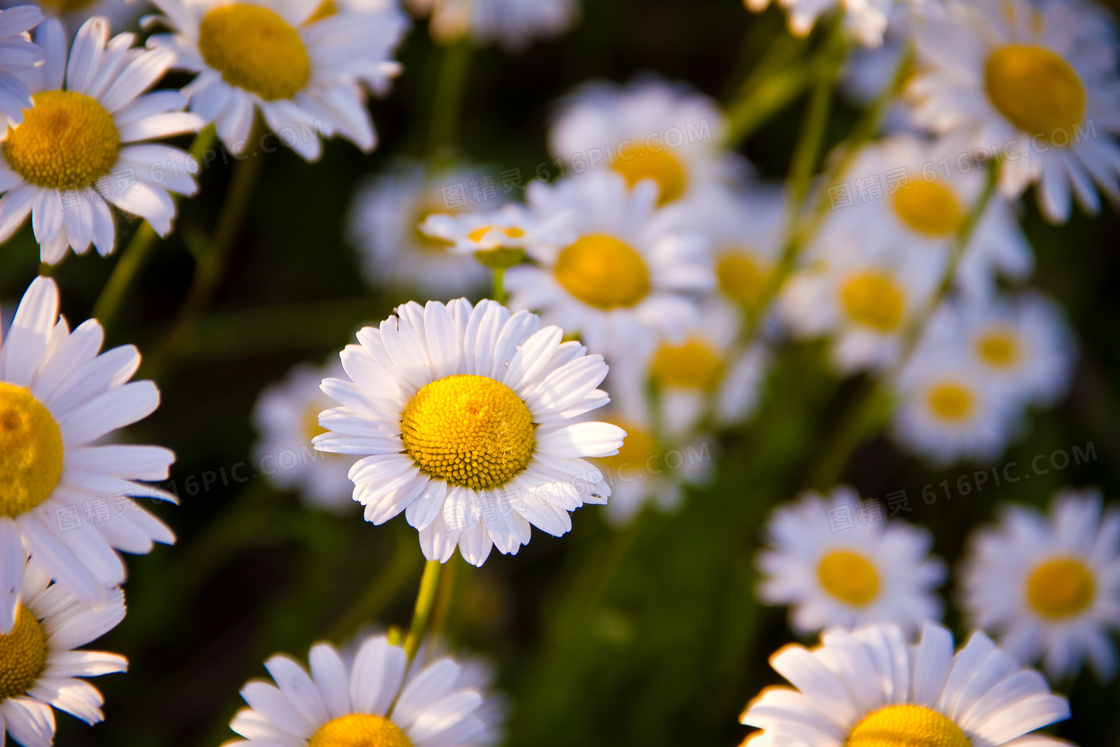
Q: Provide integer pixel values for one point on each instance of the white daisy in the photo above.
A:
(497, 238)
(466, 417)
(298, 66)
(364, 700)
(838, 562)
(868, 687)
(81, 144)
(384, 225)
(287, 418)
(39, 664)
(1049, 586)
(626, 280)
(73, 13)
(20, 55)
(866, 20)
(65, 500)
(1036, 81)
(650, 129)
(511, 23)
(918, 200)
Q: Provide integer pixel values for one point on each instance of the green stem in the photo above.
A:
(425, 600)
(499, 292)
(449, 96)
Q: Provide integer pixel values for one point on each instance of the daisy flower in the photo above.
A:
(498, 238)
(384, 225)
(651, 130)
(298, 63)
(868, 687)
(464, 416)
(866, 20)
(81, 144)
(39, 664)
(58, 398)
(20, 55)
(839, 563)
(1037, 81)
(366, 699)
(287, 418)
(920, 201)
(626, 280)
(1049, 586)
(511, 23)
(73, 13)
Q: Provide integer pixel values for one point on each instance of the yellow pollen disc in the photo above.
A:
(326, 9)
(636, 163)
(1061, 588)
(907, 726)
(1036, 90)
(929, 208)
(951, 401)
(849, 577)
(740, 277)
(23, 654)
(603, 272)
(254, 49)
(691, 365)
(998, 348)
(359, 730)
(470, 431)
(30, 451)
(513, 232)
(874, 300)
(638, 446)
(67, 141)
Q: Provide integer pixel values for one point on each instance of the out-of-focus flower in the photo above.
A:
(511, 23)
(73, 13)
(497, 238)
(20, 56)
(866, 20)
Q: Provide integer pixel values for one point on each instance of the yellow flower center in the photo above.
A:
(929, 208)
(471, 431)
(636, 163)
(23, 654)
(1061, 588)
(254, 49)
(512, 232)
(60, 7)
(30, 451)
(67, 141)
(998, 348)
(691, 365)
(951, 401)
(873, 299)
(326, 9)
(907, 726)
(638, 446)
(740, 277)
(1036, 90)
(359, 730)
(604, 272)
(849, 577)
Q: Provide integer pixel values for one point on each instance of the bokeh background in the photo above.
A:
(649, 636)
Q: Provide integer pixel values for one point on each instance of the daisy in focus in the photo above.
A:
(1036, 80)
(497, 239)
(287, 418)
(385, 220)
(366, 699)
(627, 279)
(839, 563)
(301, 65)
(1048, 586)
(58, 398)
(651, 130)
(20, 55)
(464, 418)
(39, 664)
(511, 23)
(869, 688)
(81, 146)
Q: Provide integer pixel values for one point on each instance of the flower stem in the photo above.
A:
(425, 600)
(449, 96)
(499, 293)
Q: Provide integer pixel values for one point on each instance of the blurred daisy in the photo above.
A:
(58, 397)
(868, 687)
(39, 666)
(80, 146)
(918, 199)
(626, 280)
(866, 20)
(298, 66)
(837, 562)
(511, 23)
(1038, 81)
(385, 220)
(20, 55)
(498, 238)
(1049, 586)
(652, 130)
(73, 13)
(287, 418)
(464, 419)
(366, 700)
(860, 290)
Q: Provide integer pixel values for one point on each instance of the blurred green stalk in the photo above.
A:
(449, 96)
